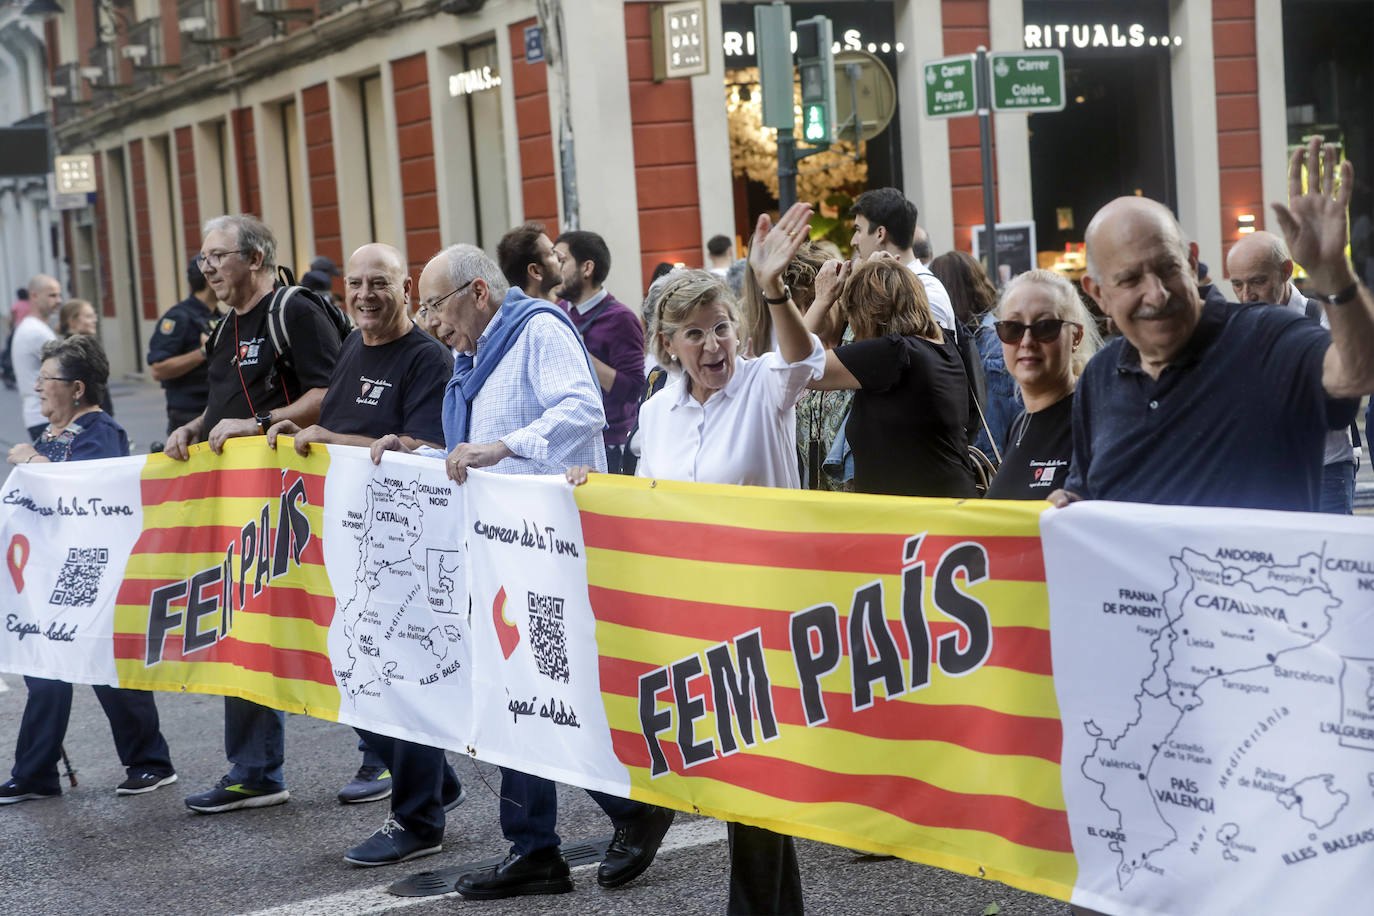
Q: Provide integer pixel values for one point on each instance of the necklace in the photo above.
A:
(1021, 433)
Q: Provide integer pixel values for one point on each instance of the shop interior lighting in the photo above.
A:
(1245, 223)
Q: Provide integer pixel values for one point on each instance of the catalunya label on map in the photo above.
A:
(1275, 627)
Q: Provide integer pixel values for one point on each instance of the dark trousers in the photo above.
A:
(421, 782)
(255, 743)
(178, 417)
(133, 722)
(764, 877)
(529, 811)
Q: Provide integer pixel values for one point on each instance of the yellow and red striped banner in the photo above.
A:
(225, 591)
(952, 760)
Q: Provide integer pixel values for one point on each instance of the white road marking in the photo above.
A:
(368, 900)
(3, 685)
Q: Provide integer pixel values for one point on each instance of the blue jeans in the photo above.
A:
(529, 811)
(133, 722)
(421, 781)
(1338, 488)
(255, 743)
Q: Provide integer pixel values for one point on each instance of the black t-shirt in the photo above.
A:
(244, 375)
(397, 387)
(178, 332)
(1039, 447)
(906, 425)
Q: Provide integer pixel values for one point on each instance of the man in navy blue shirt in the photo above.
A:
(1218, 404)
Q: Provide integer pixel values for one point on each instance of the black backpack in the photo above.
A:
(286, 290)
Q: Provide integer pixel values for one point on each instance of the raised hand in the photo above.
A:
(775, 245)
(1314, 222)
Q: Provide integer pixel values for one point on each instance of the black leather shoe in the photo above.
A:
(633, 848)
(542, 872)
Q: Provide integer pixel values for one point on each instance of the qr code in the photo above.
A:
(79, 582)
(547, 636)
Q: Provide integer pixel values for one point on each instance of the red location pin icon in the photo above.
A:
(15, 558)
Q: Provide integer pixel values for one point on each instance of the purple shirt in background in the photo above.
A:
(613, 334)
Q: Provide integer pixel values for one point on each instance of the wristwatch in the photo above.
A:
(1340, 298)
(786, 294)
(264, 421)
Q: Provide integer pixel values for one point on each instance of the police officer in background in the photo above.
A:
(176, 354)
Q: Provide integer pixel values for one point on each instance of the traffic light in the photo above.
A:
(816, 66)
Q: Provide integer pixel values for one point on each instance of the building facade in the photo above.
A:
(427, 122)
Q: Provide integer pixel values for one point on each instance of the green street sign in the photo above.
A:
(1027, 80)
(951, 90)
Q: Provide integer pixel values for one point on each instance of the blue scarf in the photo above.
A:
(469, 376)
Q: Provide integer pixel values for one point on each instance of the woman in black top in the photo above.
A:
(1047, 337)
(906, 425)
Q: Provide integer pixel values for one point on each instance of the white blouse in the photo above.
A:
(746, 433)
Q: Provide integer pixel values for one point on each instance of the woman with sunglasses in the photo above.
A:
(1047, 337)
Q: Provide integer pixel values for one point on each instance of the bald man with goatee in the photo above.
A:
(389, 379)
(1261, 271)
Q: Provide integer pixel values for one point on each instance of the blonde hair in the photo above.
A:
(684, 292)
(885, 297)
(68, 314)
(1068, 305)
(800, 277)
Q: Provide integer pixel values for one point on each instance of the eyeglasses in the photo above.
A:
(214, 258)
(1043, 330)
(697, 336)
(434, 303)
(54, 378)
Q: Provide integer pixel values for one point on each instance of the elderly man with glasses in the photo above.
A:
(251, 387)
(523, 400)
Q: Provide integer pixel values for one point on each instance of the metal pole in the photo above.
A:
(787, 169)
(985, 143)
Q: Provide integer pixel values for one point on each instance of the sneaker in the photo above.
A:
(457, 800)
(391, 843)
(12, 793)
(229, 796)
(144, 782)
(370, 785)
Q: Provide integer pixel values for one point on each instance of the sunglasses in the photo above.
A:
(1042, 330)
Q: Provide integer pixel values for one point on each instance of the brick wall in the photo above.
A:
(324, 187)
(246, 152)
(143, 233)
(966, 27)
(419, 196)
(530, 85)
(665, 154)
(186, 181)
(102, 242)
(1238, 133)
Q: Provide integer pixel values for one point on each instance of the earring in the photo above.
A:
(76, 402)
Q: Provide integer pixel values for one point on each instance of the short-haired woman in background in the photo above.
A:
(70, 384)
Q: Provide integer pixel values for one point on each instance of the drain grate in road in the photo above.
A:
(445, 880)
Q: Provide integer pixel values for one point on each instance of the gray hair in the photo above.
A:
(252, 234)
(82, 360)
(468, 262)
(1068, 305)
(683, 292)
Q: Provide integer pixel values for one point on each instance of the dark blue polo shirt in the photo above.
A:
(178, 332)
(1239, 418)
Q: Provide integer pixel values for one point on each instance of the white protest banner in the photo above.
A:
(1215, 676)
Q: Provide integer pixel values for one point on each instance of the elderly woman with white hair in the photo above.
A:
(1048, 335)
(723, 418)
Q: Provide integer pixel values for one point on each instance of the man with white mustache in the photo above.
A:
(1218, 404)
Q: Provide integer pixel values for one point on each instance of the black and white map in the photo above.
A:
(401, 628)
(1217, 697)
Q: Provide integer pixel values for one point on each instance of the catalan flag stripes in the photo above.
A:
(962, 773)
(226, 591)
